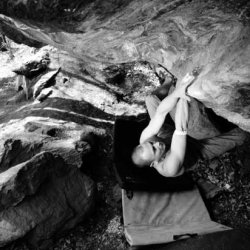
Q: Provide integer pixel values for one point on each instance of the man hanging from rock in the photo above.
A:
(170, 150)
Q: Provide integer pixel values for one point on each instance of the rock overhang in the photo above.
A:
(180, 35)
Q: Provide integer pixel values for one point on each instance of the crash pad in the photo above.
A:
(227, 240)
(160, 217)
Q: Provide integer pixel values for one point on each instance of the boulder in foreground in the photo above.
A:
(42, 198)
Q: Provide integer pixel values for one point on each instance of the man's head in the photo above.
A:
(147, 153)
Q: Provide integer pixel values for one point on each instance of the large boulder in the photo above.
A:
(41, 198)
(42, 188)
(181, 35)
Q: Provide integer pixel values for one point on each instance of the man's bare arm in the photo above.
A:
(157, 121)
(166, 105)
(171, 166)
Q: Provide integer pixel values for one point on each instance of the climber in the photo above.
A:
(170, 150)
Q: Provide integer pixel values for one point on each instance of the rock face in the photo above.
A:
(44, 82)
(43, 192)
(43, 143)
(38, 199)
(181, 35)
(3, 46)
(16, 151)
(110, 54)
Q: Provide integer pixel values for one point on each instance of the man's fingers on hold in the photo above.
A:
(187, 78)
(187, 98)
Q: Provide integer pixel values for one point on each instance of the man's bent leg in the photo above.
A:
(215, 146)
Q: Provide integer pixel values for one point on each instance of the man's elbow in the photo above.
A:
(173, 172)
(170, 173)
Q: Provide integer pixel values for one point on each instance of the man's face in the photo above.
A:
(152, 151)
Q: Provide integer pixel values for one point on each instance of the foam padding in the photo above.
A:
(157, 217)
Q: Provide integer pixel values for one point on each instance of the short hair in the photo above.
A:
(138, 158)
